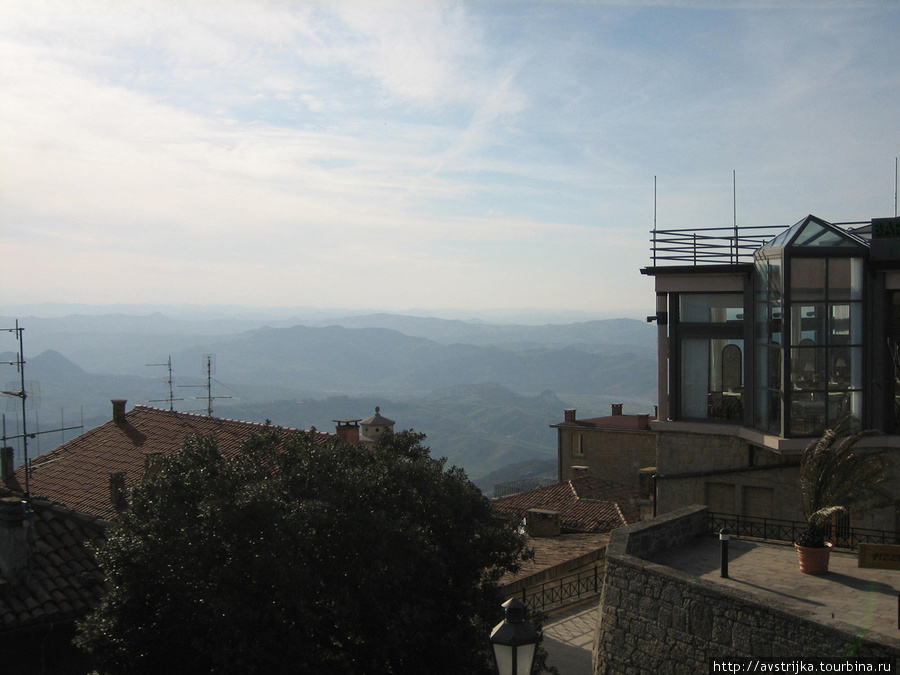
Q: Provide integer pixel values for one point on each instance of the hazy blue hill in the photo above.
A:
(532, 468)
(342, 360)
(481, 427)
(618, 333)
(124, 343)
(483, 393)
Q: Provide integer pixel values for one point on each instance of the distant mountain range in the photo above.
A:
(485, 394)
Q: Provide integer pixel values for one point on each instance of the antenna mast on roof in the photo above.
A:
(734, 254)
(170, 381)
(210, 367)
(28, 394)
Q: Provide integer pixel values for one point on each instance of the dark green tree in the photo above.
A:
(298, 557)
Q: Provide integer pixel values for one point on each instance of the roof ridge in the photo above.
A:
(220, 419)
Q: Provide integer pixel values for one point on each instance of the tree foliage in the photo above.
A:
(301, 557)
(838, 476)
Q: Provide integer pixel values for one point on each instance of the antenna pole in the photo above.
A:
(654, 221)
(170, 381)
(895, 187)
(209, 408)
(21, 366)
(734, 213)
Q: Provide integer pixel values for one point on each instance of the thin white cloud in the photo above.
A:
(296, 152)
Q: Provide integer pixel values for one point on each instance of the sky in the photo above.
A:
(475, 156)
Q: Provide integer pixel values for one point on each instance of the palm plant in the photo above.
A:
(836, 476)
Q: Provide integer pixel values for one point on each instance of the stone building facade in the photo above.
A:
(615, 447)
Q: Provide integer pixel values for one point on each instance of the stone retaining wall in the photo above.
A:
(654, 619)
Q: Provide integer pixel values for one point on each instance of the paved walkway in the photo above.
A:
(864, 598)
(569, 638)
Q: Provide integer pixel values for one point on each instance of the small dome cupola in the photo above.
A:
(373, 427)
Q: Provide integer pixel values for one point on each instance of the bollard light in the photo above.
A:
(514, 641)
(724, 536)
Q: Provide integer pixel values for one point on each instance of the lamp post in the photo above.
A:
(514, 640)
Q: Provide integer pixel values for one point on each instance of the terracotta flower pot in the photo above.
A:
(813, 560)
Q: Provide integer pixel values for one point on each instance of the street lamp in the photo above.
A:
(514, 641)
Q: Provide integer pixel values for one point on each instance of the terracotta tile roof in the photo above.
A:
(585, 504)
(564, 552)
(613, 422)
(60, 580)
(76, 473)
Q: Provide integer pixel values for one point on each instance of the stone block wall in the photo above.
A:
(615, 455)
(688, 462)
(654, 619)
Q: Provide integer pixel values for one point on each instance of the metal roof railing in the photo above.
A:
(718, 245)
(709, 245)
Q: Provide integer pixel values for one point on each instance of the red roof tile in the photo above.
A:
(76, 473)
(61, 581)
(585, 504)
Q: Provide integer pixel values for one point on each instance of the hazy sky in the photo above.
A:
(422, 154)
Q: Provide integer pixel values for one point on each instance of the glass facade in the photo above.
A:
(712, 356)
(808, 329)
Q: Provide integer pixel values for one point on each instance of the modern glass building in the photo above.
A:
(766, 337)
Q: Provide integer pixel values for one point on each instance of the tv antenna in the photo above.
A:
(28, 394)
(169, 381)
(209, 366)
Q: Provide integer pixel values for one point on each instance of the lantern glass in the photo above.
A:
(522, 656)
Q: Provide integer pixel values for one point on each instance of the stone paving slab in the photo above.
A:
(569, 638)
(865, 598)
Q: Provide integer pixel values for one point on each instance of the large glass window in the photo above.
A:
(826, 352)
(712, 355)
(769, 321)
(711, 308)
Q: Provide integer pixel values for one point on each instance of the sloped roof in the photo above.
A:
(585, 503)
(62, 581)
(815, 232)
(378, 419)
(76, 474)
(610, 422)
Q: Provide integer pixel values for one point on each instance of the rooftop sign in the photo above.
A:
(885, 239)
(885, 228)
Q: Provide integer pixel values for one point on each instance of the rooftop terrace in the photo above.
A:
(863, 598)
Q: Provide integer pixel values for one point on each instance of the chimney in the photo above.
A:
(118, 405)
(6, 464)
(542, 523)
(13, 544)
(348, 430)
(643, 421)
(570, 414)
(616, 408)
(117, 490)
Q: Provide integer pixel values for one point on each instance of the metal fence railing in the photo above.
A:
(842, 535)
(565, 590)
(709, 245)
(516, 486)
(715, 245)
